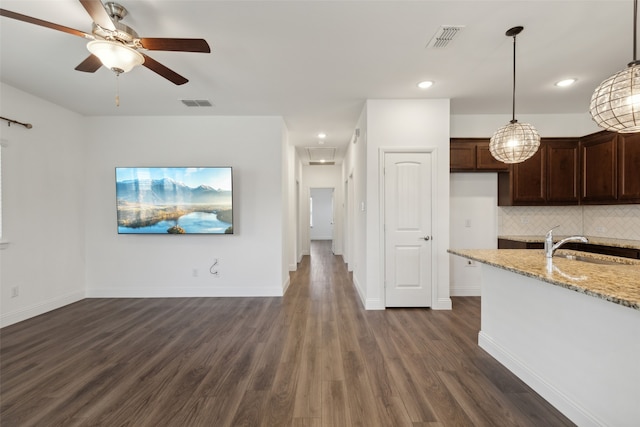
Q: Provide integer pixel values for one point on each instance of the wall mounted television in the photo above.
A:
(174, 200)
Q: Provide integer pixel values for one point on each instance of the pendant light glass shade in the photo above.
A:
(514, 142)
(615, 104)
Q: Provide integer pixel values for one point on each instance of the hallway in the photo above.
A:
(312, 358)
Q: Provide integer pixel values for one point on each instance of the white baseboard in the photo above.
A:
(465, 291)
(375, 304)
(442, 304)
(183, 292)
(363, 299)
(286, 284)
(544, 388)
(42, 307)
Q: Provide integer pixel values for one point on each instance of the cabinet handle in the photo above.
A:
(427, 237)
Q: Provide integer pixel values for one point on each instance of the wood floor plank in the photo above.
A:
(312, 358)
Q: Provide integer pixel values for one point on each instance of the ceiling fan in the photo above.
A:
(117, 46)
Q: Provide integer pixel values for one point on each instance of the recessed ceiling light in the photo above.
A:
(566, 82)
(425, 84)
(322, 135)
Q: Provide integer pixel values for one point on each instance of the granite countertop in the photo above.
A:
(594, 240)
(619, 283)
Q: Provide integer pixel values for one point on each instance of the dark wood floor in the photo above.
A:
(312, 358)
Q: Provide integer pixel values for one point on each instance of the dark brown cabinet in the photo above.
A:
(599, 172)
(610, 168)
(601, 168)
(549, 177)
(629, 168)
(563, 171)
(472, 155)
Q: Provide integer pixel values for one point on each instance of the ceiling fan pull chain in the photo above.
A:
(117, 89)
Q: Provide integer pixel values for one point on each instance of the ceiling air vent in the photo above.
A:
(196, 103)
(444, 36)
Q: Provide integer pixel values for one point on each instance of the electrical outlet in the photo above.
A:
(195, 272)
(601, 229)
(524, 220)
(15, 291)
(467, 223)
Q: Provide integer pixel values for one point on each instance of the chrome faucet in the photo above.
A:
(550, 248)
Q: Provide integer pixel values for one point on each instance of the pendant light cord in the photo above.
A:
(635, 29)
(513, 93)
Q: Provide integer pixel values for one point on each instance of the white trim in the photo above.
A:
(361, 294)
(42, 307)
(561, 401)
(184, 292)
(286, 284)
(465, 291)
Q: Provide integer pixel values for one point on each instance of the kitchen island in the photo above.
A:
(570, 330)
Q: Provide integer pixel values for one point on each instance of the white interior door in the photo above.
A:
(407, 215)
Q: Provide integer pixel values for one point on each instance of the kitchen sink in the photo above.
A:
(591, 260)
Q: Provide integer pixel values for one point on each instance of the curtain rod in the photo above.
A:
(27, 125)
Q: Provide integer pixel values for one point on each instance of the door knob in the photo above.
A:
(427, 237)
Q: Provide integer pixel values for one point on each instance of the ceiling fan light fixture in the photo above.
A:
(514, 142)
(115, 56)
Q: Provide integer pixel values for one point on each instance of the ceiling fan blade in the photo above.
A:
(99, 14)
(47, 24)
(89, 65)
(165, 72)
(176, 45)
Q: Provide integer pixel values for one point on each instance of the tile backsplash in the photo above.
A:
(618, 222)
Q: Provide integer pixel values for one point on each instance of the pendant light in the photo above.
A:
(514, 142)
(615, 104)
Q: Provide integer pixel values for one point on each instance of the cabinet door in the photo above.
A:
(485, 161)
(462, 155)
(563, 171)
(528, 180)
(629, 168)
(599, 172)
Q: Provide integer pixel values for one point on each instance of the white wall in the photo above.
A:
(42, 207)
(250, 261)
(354, 177)
(474, 200)
(420, 123)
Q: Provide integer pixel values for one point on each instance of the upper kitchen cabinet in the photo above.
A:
(549, 177)
(610, 168)
(472, 155)
(629, 167)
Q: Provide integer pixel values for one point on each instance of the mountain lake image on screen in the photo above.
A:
(174, 200)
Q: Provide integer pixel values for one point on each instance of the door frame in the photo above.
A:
(382, 152)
